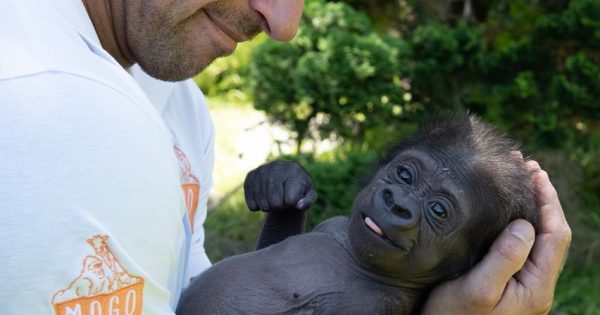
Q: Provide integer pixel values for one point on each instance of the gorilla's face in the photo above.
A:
(414, 220)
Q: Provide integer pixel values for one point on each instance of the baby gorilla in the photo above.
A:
(430, 212)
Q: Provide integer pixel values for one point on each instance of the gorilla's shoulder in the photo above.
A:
(336, 227)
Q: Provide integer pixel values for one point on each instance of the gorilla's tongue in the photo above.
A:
(373, 226)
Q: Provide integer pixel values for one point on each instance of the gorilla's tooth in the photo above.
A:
(373, 226)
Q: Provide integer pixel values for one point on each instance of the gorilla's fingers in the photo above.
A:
(262, 191)
(249, 189)
(275, 191)
(488, 279)
(294, 190)
(308, 200)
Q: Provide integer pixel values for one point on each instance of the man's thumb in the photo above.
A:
(505, 258)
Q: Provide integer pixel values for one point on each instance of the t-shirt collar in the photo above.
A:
(75, 13)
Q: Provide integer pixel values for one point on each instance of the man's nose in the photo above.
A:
(282, 17)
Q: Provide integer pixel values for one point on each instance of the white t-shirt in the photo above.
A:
(93, 160)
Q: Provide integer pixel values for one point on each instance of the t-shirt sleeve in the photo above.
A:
(199, 260)
(91, 204)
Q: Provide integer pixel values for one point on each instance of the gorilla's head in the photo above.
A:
(438, 201)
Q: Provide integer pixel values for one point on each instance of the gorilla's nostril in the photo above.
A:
(388, 198)
(401, 212)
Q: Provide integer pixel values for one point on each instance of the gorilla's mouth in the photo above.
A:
(373, 226)
(377, 230)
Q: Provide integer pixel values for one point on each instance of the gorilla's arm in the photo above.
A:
(281, 225)
(284, 190)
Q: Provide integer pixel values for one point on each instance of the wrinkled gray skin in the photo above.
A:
(429, 213)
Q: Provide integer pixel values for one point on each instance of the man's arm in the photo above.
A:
(284, 190)
(82, 162)
(519, 274)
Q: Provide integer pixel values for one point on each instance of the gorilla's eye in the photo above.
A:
(438, 209)
(405, 175)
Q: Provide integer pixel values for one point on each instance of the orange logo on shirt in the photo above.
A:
(189, 184)
(102, 287)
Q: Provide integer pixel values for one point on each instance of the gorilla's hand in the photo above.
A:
(279, 186)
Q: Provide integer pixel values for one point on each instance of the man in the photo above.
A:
(96, 152)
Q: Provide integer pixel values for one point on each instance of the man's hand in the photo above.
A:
(519, 273)
(279, 185)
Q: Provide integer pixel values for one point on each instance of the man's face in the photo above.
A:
(176, 39)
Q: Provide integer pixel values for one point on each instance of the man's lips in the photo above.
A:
(230, 32)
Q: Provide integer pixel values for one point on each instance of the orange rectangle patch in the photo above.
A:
(125, 301)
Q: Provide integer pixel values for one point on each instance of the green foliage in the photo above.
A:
(337, 76)
(442, 62)
(532, 67)
(589, 157)
(227, 78)
(578, 22)
(578, 290)
(231, 229)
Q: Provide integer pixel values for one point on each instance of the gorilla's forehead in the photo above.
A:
(448, 173)
(448, 166)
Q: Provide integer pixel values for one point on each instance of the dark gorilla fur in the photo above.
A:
(428, 213)
(485, 150)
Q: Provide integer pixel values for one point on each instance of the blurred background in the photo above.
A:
(362, 74)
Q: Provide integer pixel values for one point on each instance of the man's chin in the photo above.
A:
(175, 71)
(172, 74)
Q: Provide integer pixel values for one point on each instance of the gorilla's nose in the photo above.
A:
(400, 205)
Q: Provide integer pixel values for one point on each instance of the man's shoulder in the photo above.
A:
(36, 38)
(69, 99)
(61, 88)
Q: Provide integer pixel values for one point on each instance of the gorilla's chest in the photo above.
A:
(308, 274)
(301, 276)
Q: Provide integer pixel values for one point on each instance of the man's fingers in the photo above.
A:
(553, 224)
(506, 281)
(550, 249)
(507, 255)
(552, 217)
(532, 166)
(516, 155)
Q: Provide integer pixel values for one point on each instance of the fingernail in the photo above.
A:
(300, 204)
(517, 154)
(522, 230)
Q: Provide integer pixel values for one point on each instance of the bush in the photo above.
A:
(231, 229)
(337, 77)
(577, 292)
(227, 78)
